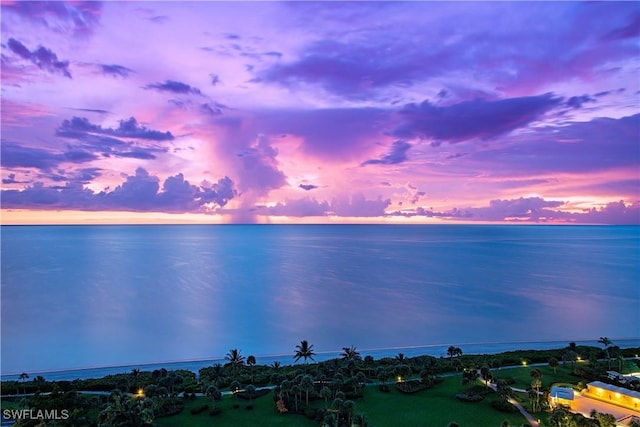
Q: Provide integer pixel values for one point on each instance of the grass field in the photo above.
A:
(436, 407)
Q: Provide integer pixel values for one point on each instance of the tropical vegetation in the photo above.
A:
(462, 389)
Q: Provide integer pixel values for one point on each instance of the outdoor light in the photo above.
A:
(399, 378)
(524, 363)
(140, 392)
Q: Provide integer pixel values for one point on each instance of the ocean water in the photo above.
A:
(89, 296)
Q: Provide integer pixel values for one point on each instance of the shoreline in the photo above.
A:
(194, 365)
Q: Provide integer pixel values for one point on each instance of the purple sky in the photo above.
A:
(320, 112)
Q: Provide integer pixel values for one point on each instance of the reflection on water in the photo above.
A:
(108, 295)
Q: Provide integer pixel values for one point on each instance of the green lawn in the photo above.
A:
(263, 414)
(435, 407)
(522, 375)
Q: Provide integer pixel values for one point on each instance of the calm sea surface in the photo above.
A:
(84, 296)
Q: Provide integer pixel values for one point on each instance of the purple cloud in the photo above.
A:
(472, 119)
(628, 31)
(129, 128)
(15, 155)
(347, 69)
(308, 187)
(91, 110)
(138, 193)
(398, 154)
(536, 210)
(174, 87)
(340, 133)
(358, 206)
(578, 147)
(299, 208)
(78, 18)
(259, 171)
(115, 70)
(354, 206)
(578, 101)
(42, 57)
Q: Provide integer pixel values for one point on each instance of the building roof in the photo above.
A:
(615, 389)
(562, 393)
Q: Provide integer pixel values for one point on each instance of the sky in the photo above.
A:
(320, 112)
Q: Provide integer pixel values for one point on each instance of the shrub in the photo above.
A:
(310, 413)
(199, 409)
(503, 406)
(258, 393)
(410, 386)
(469, 397)
(167, 407)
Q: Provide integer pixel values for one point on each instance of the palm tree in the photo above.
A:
(503, 389)
(485, 372)
(251, 361)
(453, 351)
(39, 381)
(234, 386)
(606, 342)
(214, 394)
(325, 393)
(216, 373)
(23, 378)
(368, 363)
(350, 353)
(304, 350)
(533, 398)
(620, 359)
(250, 390)
(571, 356)
(383, 375)
(553, 362)
(235, 359)
(295, 389)
(306, 385)
(349, 407)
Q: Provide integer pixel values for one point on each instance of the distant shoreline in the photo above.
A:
(436, 350)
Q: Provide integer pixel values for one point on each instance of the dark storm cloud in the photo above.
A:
(42, 57)
(501, 46)
(15, 155)
(115, 70)
(173, 86)
(138, 193)
(91, 110)
(129, 128)
(578, 101)
(351, 69)
(398, 154)
(79, 156)
(308, 187)
(472, 119)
